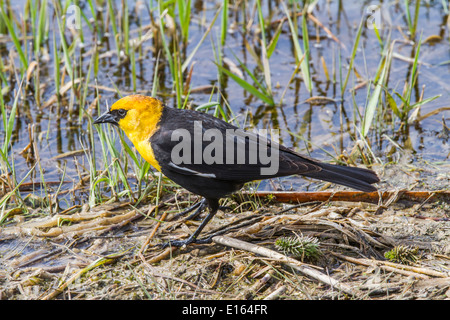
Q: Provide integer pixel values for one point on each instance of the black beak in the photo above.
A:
(107, 117)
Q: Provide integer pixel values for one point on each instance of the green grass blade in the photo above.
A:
(114, 27)
(224, 23)
(11, 119)
(41, 25)
(306, 72)
(262, 89)
(421, 103)
(408, 15)
(352, 58)
(273, 43)
(266, 69)
(155, 78)
(247, 86)
(392, 104)
(262, 25)
(16, 188)
(304, 67)
(14, 38)
(371, 107)
(67, 61)
(413, 79)
(192, 54)
(184, 13)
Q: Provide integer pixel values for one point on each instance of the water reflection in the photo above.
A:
(315, 129)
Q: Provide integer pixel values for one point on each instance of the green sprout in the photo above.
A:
(403, 254)
(299, 246)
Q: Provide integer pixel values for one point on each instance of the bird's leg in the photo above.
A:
(191, 208)
(213, 207)
(198, 211)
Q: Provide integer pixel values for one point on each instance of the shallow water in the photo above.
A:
(325, 128)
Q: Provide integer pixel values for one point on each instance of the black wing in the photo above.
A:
(219, 150)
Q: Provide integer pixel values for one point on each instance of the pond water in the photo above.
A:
(323, 129)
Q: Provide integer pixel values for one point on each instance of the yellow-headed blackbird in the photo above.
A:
(213, 158)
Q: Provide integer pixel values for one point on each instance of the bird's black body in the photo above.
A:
(229, 178)
(217, 180)
(212, 169)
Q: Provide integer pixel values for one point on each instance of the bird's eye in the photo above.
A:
(122, 112)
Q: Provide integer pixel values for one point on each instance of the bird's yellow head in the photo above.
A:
(138, 117)
(134, 114)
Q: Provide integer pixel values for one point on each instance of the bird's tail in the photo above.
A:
(356, 178)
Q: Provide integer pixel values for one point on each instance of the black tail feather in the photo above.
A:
(356, 178)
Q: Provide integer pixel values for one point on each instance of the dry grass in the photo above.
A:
(98, 253)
